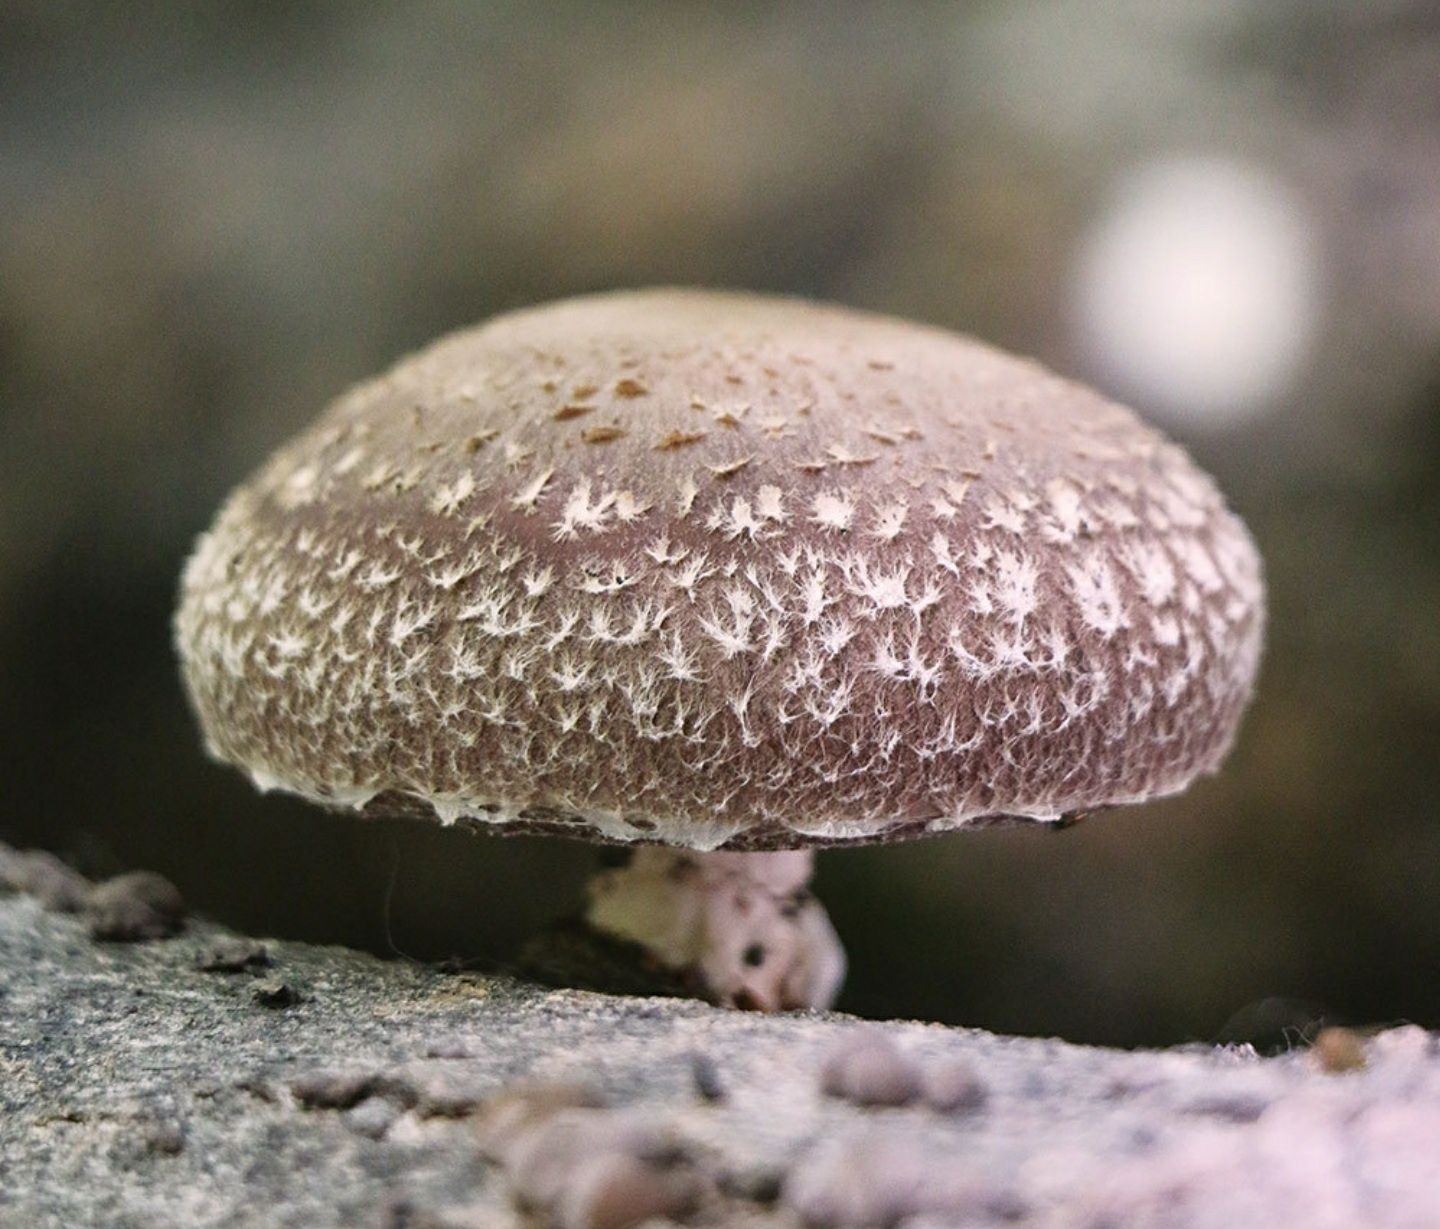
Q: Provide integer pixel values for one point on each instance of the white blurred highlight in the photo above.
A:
(1197, 294)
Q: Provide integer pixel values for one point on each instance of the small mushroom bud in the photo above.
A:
(1339, 1050)
(135, 907)
(42, 875)
(952, 1086)
(867, 1069)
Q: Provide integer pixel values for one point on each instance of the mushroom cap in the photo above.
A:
(711, 569)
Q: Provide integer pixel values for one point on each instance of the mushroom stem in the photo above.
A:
(744, 926)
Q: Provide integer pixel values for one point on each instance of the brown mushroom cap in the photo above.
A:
(717, 570)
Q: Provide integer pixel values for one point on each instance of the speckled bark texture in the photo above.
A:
(185, 1082)
(722, 570)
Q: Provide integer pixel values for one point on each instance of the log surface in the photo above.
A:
(138, 1089)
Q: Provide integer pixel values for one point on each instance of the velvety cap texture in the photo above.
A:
(717, 570)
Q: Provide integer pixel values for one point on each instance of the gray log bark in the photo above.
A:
(336, 1089)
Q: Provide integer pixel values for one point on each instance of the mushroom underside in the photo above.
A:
(762, 838)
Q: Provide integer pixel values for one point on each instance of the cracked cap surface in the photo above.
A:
(714, 569)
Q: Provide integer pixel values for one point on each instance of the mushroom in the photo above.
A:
(724, 578)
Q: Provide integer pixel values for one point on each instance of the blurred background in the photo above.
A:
(215, 217)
